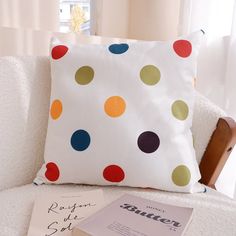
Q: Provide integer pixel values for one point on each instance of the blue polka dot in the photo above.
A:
(118, 48)
(80, 140)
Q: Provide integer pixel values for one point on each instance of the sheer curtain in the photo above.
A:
(137, 19)
(216, 76)
(25, 26)
(217, 60)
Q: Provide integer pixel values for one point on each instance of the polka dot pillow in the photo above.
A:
(121, 115)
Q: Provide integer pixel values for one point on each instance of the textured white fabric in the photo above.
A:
(214, 214)
(24, 103)
(205, 118)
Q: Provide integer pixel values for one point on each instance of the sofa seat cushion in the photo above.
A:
(214, 213)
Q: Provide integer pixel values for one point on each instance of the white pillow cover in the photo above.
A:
(121, 115)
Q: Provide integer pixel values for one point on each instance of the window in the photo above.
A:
(72, 13)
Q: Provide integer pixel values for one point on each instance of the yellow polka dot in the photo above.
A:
(180, 110)
(115, 106)
(181, 175)
(56, 109)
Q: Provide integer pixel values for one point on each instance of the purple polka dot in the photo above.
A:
(148, 142)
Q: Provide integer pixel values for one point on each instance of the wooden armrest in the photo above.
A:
(218, 150)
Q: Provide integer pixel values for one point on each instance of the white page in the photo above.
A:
(58, 214)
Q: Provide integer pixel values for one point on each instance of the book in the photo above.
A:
(58, 214)
(135, 216)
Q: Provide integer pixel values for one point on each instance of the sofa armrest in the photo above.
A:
(24, 105)
(218, 150)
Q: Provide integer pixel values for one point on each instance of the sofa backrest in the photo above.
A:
(24, 105)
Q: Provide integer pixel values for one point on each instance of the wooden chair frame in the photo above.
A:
(218, 150)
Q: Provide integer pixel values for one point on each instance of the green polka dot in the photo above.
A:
(180, 110)
(150, 75)
(84, 75)
(181, 175)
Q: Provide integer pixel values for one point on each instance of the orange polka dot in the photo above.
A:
(56, 109)
(114, 106)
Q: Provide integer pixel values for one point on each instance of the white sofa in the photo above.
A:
(24, 105)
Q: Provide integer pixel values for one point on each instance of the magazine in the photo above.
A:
(135, 216)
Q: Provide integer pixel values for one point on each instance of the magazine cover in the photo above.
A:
(134, 216)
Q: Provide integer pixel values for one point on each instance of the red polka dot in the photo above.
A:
(183, 48)
(59, 51)
(52, 173)
(113, 173)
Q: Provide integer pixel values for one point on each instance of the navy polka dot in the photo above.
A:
(118, 48)
(80, 140)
